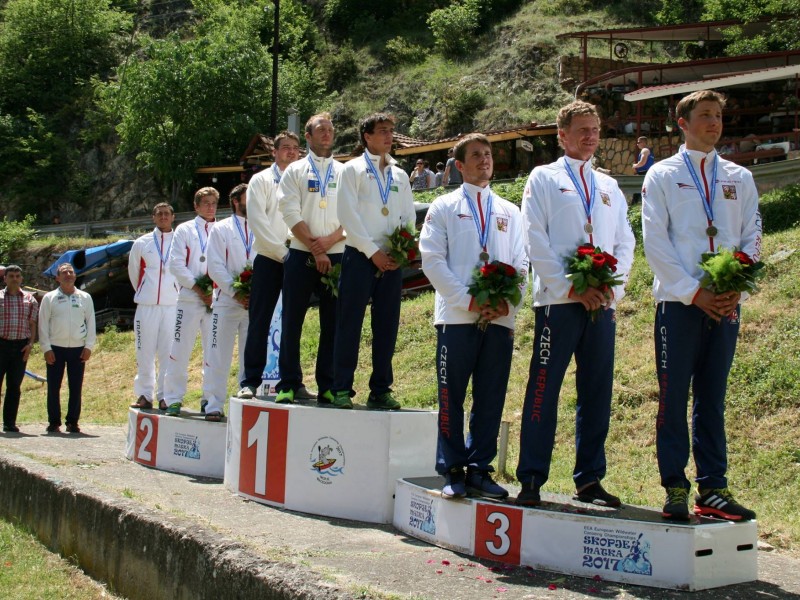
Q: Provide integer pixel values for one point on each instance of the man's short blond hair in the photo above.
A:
(203, 192)
(575, 109)
(314, 118)
(687, 103)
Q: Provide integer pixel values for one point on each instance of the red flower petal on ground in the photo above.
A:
(552, 586)
(438, 571)
(445, 562)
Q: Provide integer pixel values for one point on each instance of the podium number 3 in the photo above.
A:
(498, 532)
(258, 435)
(501, 523)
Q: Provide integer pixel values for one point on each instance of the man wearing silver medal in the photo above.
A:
(156, 296)
(566, 204)
(307, 201)
(187, 263)
(464, 229)
(374, 198)
(692, 203)
(270, 251)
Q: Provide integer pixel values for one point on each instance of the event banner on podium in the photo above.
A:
(323, 461)
(187, 444)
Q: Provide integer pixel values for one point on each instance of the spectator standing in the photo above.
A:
(156, 296)
(308, 202)
(452, 246)
(645, 159)
(270, 233)
(230, 252)
(18, 314)
(374, 198)
(420, 177)
(696, 202)
(452, 176)
(438, 178)
(566, 204)
(66, 336)
(188, 262)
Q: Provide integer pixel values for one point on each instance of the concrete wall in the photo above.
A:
(618, 154)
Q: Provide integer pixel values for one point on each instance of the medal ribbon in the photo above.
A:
(587, 201)
(276, 174)
(706, 195)
(163, 256)
(200, 238)
(247, 239)
(481, 223)
(323, 185)
(378, 178)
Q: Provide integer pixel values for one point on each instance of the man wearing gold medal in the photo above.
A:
(692, 203)
(307, 201)
(374, 198)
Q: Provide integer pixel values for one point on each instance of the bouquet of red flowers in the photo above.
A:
(243, 282)
(402, 246)
(331, 279)
(493, 282)
(591, 267)
(730, 271)
(206, 286)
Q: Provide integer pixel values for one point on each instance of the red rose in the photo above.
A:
(412, 254)
(404, 233)
(585, 250)
(611, 261)
(510, 271)
(598, 260)
(489, 269)
(743, 258)
(245, 276)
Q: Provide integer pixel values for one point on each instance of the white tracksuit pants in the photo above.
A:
(226, 322)
(153, 325)
(191, 318)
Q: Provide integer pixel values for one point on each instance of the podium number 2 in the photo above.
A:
(146, 440)
(262, 463)
(498, 532)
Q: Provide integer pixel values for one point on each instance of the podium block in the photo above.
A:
(324, 461)
(186, 444)
(628, 545)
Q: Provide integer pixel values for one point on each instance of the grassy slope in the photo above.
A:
(763, 415)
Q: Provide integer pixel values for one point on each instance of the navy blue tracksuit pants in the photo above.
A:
(691, 348)
(464, 351)
(564, 330)
(300, 280)
(69, 359)
(264, 293)
(357, 284)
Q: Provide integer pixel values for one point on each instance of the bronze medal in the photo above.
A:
(323, 204)
(202, 259)
(484, 256)
(588, 228)
(385, 211)
(711, 231)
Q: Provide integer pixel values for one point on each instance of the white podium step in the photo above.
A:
(186, 444)
(628, 545)
(325, 461)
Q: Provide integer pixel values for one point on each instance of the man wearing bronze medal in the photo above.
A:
(565, 205)
(373, 198)
(187, 263)
(464, 229)
(307, 201)
(696, 202)
(270, 234)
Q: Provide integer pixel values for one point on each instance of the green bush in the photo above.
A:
(780, 209)
(454, 27)
(14, 235)
(399, 51)
(338, 67)
(462, 109)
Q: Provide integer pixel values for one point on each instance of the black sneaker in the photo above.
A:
(676, 506)
(529, 495)
(53, 428)
(10, 429)
(480, 483)
(720, 503)
(454, 484)
(73, 428)
(595, 494)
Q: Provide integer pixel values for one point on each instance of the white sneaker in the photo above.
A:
(246, 393)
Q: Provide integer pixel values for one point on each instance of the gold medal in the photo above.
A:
(711, 231)
(385, 211)
(588, 228)
(323, 204)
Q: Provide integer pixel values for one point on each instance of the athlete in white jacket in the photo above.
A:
(469, 227)
(566, 204)
(188, 262)
(156, 296)
(692, 203)
(230, 252)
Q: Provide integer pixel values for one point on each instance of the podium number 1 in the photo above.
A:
(498, 532)
(262, 452)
